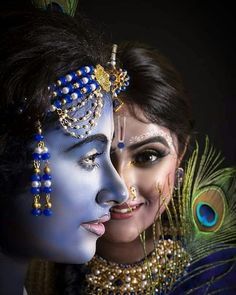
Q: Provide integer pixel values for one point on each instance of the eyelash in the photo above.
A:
(158, 154)
(88, 163)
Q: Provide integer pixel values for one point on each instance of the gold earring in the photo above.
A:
(133, 192)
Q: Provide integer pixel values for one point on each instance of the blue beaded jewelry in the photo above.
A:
(41, 184)
(82, 90)
(119, 80)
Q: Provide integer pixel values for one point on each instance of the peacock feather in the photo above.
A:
(65, 6)
(207, 218)
(208, 205)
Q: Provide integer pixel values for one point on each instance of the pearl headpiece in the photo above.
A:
(82, 90)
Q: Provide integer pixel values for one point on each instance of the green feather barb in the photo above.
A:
(68, 7)
(211, 191)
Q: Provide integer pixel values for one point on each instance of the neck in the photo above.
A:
(12, 275)
(125, 252)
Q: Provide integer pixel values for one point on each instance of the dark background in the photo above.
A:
(199, 39)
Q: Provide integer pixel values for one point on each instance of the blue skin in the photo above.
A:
(84, 189)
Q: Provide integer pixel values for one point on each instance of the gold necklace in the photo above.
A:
(155, 273)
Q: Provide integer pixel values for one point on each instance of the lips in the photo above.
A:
(96, 226)
(124, 211)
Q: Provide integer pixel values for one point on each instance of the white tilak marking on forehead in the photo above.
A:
(151, 133)
(121, 125)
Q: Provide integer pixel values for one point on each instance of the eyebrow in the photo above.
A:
(91, 138)
(149, 140)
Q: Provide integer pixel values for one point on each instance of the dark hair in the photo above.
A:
(36, 48)
(157, 89)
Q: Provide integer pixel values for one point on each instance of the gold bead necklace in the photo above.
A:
(155, 273)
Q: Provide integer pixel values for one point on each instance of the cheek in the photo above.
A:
(157, 183)
(73, 196)
(165, 174)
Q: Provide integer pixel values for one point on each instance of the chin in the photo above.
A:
(85, 252)
(80, 252)
(127, 231)
(121, 234)
(82, 255)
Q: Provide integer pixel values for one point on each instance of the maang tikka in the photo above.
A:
(82, 90)
(78, 91)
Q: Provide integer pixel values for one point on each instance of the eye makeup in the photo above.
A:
(90, 139)
(148, 156)
(88, 150)
(152, 133)
(88, 162)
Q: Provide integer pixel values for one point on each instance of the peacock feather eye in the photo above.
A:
(209, 209)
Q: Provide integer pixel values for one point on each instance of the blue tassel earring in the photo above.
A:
(41, 183)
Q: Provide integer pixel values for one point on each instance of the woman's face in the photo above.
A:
(147, 164)
(85, 186)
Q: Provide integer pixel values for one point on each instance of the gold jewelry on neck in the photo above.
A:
(155, 273)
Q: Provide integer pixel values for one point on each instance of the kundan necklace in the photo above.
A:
(155, 274)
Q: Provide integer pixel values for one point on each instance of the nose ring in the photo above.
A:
(133, 192)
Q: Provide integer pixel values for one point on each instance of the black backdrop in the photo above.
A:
(199, 39)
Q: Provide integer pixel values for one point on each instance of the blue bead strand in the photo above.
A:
(47, 212)
(36, 212)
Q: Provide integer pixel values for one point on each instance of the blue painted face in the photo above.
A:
(85, 186)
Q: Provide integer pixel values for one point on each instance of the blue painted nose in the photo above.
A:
(111, 197)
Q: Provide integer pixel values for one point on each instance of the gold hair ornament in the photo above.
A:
(119, 78)
(82, 91)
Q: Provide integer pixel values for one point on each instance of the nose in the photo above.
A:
(114, 190)
(126, 173)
